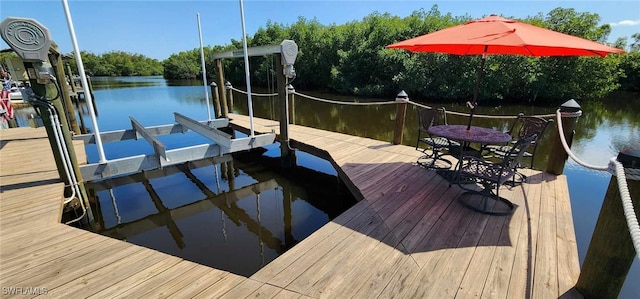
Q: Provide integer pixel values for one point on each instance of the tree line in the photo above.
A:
(352, 59)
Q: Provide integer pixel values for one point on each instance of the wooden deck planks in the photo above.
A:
(568, 267)
(546, 265)
(408, 237)
(444, 261)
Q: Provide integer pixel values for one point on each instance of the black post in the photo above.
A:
(287, 156)
(216, 99)
(476, 90)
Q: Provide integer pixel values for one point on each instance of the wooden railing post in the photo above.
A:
(39, 89)
(401, 112)
(216, 98)
(223, 96)
(611, 250)
(56, 61)
(227, 87)
(570, 112)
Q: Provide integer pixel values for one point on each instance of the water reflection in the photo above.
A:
(236, 216)
(99, 83)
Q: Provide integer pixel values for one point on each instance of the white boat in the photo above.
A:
(16, 94)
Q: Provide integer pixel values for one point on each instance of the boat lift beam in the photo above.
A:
(128, 165)
(224, 144)
(158, 146)
(227, 144)
(253, 51)
(121, 135)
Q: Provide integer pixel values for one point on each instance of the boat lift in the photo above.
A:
(285, 55)
(223, 145)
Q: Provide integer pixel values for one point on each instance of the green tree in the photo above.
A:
(184, 65)
(630, 66)
(117, 63)
(351, 59)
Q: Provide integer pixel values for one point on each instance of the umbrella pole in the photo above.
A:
(474, 103)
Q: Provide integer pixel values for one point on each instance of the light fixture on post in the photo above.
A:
(401, 111)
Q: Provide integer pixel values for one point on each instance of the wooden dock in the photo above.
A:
(408, 237)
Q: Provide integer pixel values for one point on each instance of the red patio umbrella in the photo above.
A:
(497, 35)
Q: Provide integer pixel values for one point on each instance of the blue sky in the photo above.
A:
(159, 28)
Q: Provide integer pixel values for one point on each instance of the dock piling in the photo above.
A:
(227, 87)
(570, 112)
(223, 96)
(216, 98)
(611, 251)
(401, 112)
(56, 61)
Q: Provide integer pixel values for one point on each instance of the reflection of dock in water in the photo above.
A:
(224, 201)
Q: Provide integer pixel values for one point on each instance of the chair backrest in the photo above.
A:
(511, 159)
(527, 125)
(428, 117)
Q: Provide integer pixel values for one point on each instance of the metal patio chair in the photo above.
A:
(523, 127)
(491, 176)
(435, 146)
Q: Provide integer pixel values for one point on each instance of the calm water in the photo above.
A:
(603, 130)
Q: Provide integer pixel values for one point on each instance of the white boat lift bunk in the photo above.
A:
(223, 145)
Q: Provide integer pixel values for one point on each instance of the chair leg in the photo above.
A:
(434, 160)
(484, 201)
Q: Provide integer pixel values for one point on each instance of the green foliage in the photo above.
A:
(117, 63)
(352, 59)
(630, 66)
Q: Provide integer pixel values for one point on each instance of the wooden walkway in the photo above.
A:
(407, 238)
(410, 238)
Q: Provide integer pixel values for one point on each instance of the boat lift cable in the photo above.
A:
(246, 69)
(66, 158)
(617, 169)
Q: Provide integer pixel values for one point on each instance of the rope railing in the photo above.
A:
(390, 102)
(480, 115)
(617, 169)
(343, 103)
(254, 93)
